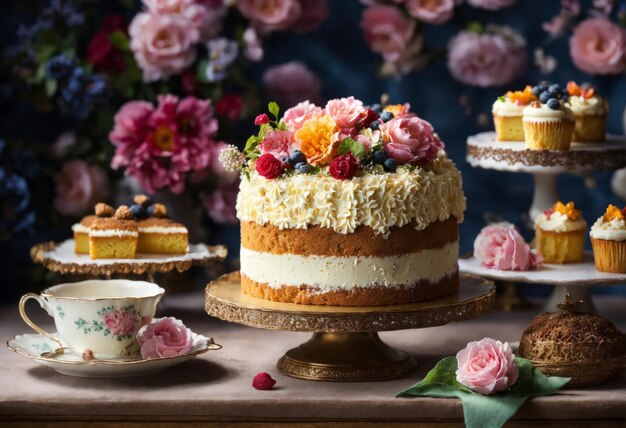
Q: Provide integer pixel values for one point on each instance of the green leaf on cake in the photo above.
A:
(350, 145)
(273, 109)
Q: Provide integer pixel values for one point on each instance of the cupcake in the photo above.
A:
(507, 114)
(548, 123)
(560, 234)
(608, 238)
(589, 112)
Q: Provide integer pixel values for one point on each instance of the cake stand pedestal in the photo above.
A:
(483, 151)
(345, 345)
(573, 278)
(60, 257)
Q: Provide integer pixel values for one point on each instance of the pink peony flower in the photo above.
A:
(270, 15)
(491, 4)
(79, 186)
(163, 44)
(164, 337)
(301, 112)
(500, 246)
(387, 31)
(431, 12)
(154, 174)
(345, 111)
(220, 204)
(120, 322)
(131, 126)
(486, 366)
(197, 128)
(489, 59)
(291, 83)
(598, 46)
(278, 143)
(410, 140)
(314, 13)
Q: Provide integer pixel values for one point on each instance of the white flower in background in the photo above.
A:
(253, 48)
(222, 53)
(545, 63)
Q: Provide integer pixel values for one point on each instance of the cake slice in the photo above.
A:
(161, 236)
(114, 237)
(81, 234)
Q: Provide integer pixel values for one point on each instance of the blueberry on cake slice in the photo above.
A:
(157, 233)
(81, 234)
(113, 236)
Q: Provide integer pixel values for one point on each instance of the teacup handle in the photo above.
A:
(44, 304)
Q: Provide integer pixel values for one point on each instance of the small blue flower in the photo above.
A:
(82, 91)
(222, 53)
(67, 12)
(59, 67)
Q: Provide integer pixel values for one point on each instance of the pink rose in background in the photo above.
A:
(301, 112)
(387, 31)
(277, 143)
(431, 11)
(500, 246)
(220, 204)
(120, 322)
(291, 83)
(270, 15)
(598, 46)
(410, 140)
(486, 366)
(489, 59)
(163, 45)
(314, 13)
(164, 337)
(79, 186)
(345, 111)
(491, 4)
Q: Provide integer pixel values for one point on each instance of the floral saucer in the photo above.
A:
(35, 345)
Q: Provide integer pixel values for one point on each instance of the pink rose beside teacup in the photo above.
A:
(164, 337)
(487, 366)
(500, 246)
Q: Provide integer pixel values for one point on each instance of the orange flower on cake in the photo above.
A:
(319, 140)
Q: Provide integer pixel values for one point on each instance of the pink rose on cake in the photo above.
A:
(598, 46)
(164, 337)
(500, 246)
(410, 140)
(431, 12)
(301, 112)
(346, 112)
(387, 31)
(278, 143)
(487, 366)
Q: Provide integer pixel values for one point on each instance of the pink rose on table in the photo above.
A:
(164, 337)
(431, 11)
(500, 246)
(270, 15)
(598, 46)
(79, 186)
(300, 113)
(163, 44)
(277, 143)
(120, 322)
(346, 112)
(489, 59)
(387, 31)
(486, 366)
(410, 140)
(491, 4)
(291, 83)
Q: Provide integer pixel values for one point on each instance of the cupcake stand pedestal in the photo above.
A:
(483, 151)
(345, 345)
(60, 257)
(573, 278)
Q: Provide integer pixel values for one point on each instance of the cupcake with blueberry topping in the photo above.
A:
(608, 238)
(560, 234)
(507, 114)
(548, 123)
(590, 112)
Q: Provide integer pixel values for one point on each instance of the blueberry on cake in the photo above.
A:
(347, 204)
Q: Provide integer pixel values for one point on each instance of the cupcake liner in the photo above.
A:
(555, 135)
(590, 128)
(508, 128)
(561, 247)
(609, 256)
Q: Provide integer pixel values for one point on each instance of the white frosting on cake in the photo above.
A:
(614, 230)
(507, 108)
(591, 106)
(380, 201)
(105, 233)
(559, 223)
(160, 229)
(79, 228)
(345, 273)
(543, 113)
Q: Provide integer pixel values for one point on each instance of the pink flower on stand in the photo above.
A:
(432, 12)
(500, 246)
(487, 366)
(598, 46)
(164, 337)
(387, 31)
(410, 140)
(79, 186)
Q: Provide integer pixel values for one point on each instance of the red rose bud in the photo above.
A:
(344, 167)
(261, 119)
(367, 118)
(263, 382)
(229, 106)
(101, 52)
(268, 166)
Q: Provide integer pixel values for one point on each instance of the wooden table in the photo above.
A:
(215, 388)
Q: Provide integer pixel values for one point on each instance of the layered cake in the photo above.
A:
(347, 205)
(113, 236)
(81, 234)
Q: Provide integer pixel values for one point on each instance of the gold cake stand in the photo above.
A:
(345, 345)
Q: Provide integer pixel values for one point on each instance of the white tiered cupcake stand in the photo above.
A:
(483, 151)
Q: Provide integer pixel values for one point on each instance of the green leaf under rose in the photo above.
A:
(353, 146)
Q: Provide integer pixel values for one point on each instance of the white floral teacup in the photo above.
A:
(98, 318)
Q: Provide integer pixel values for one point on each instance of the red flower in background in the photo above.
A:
(101, 52)
(229, 106)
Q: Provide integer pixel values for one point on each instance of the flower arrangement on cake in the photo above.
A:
(347, 204)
